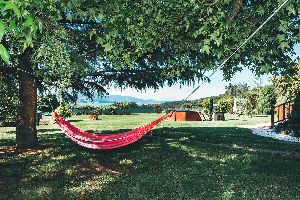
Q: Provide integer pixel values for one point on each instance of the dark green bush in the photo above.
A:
(294, 117)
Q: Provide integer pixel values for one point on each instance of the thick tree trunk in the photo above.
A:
(26, 134)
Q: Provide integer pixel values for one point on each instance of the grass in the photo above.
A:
(186, 160)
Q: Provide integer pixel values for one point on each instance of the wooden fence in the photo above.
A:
(282, 112)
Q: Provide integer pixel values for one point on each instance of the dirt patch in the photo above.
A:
(11, 150)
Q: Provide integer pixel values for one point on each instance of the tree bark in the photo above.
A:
(26, 134)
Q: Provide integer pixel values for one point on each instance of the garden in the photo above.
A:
(182, 160)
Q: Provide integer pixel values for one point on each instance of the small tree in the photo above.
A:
(251, 105)
(157, 108)
(124, 106)
(266, 99)
(224, 105)
(205, 103)
(63, 111)
(111, 109)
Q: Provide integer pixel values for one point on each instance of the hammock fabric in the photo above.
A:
(105, 141)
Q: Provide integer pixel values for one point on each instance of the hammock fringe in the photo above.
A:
(105, 141)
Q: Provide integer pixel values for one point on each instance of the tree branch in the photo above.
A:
(217, 1)
(100, 73)
(236, 7)
(63, 21)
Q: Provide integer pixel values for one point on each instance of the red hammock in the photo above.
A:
(104, 141)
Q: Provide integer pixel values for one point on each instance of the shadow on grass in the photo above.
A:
(74, 120)
(108, 131)
(149, 168)
(47, 130)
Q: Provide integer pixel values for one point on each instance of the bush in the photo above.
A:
(294, 117)
(157, 108)
(63, 111)
(224, 105)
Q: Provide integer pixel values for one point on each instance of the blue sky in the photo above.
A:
(175, 93)
(216, 87)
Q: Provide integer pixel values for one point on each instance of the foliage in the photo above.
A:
(210, 108)
(171, 105)
(250, 108)
(87, 107)
(266, 99)
(294, 117)
(288, 85)
(8, 98)
(87, 46)
(63, 111)
(97, 112)
(124, 106)
(206, 102)
(225, 105)
(133, 105)
(236, 90)
(157, 108)
(111, 109)
(48, 103)
(143, 34)
(186, 106)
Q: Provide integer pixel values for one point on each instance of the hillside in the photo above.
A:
(114, 98)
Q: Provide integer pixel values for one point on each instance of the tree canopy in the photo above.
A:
(176, 40)
(87, 46)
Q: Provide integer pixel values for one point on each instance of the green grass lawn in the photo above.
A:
(184, 160)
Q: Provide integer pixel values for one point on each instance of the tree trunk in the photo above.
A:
(26, 134)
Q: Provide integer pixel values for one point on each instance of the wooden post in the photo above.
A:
(272, 115)
(279, 112)
(284, 112)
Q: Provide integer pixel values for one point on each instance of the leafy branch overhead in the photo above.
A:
(178, 40)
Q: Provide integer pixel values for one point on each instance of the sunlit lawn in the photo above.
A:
(184, 160)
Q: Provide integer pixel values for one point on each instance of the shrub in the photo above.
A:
(63, 111)
(157, 108)
(294, 118)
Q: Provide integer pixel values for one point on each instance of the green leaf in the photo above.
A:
(2, 29)
(284, 45)
(69, 17)
(11, 6)
(29, 21)
(4, 53)
(206, 48)
(13, 26)
(107, 47)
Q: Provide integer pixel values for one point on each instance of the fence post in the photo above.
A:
(272, 115)
(284, 112)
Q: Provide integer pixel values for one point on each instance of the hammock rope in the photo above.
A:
(105, 141)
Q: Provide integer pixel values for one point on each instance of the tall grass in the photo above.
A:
(184, 160)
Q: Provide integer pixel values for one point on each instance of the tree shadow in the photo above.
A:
(74, 120)
(47, 130)
(150, 168)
